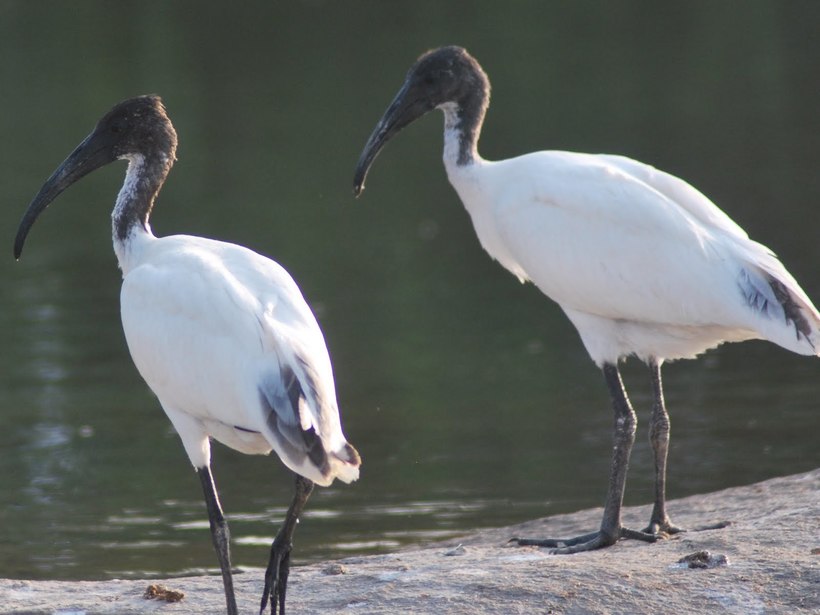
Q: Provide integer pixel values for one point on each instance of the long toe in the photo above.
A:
(711, 526)
(585, 542)
(554, 542)
(637, 535)
(276, 583)
(599, 540)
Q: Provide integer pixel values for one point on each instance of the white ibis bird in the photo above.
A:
(640, 261)
(221, 334)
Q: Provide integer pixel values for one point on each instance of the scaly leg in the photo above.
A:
(659, 523)
(624, 436)
(276, 576)
(220, 535)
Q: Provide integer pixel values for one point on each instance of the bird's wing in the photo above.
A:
(757, 255)
(600, 240)
(299, 397)
(677, 190)
(224, 334)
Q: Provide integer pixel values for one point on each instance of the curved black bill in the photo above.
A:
(380, 136)
(404, 109)
(89, 155)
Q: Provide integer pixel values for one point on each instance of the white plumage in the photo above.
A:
(640, 261)
(214, 329)
(221, 334)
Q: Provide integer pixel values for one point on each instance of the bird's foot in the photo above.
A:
(663, 528)
(712, 526)
(276, 579)
(585, 542)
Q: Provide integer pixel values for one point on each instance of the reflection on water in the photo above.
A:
(469, 395)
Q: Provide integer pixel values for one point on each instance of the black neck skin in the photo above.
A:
(143, 181)
(470, 111)
(467, 86)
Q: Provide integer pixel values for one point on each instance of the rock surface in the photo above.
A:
(766, 561)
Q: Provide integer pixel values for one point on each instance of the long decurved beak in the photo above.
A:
(405, 108)
(91, 154)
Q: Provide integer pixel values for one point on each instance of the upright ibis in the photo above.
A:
(641, 262)
(221, 334)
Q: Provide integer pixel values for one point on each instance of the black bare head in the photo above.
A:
(441, 76)
(135, 129)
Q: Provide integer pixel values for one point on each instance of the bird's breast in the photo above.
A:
(194, 342)
(478, 200)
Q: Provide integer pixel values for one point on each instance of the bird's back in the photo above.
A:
(224, 335)
(618, 241)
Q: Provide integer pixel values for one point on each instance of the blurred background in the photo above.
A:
(469, 395)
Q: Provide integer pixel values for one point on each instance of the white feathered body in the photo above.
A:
(640, 261)
(219, 333)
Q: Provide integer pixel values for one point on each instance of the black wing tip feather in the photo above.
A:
(791, 308)
(316, 451)
(289, 433)
(350, 455)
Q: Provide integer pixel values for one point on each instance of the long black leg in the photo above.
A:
(220, 534)
(276, 576)
(659, 523)
(623, 436)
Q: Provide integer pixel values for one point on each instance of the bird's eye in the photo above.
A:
(116, 127)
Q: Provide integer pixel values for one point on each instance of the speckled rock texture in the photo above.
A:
(766, 561)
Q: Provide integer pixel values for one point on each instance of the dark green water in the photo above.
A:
(469, 395)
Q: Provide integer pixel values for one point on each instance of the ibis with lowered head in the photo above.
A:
(641, 262)
(221, 334)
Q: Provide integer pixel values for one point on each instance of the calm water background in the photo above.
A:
(469, 395)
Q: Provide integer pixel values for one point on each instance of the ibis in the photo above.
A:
(641, 262)
(221, 334)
